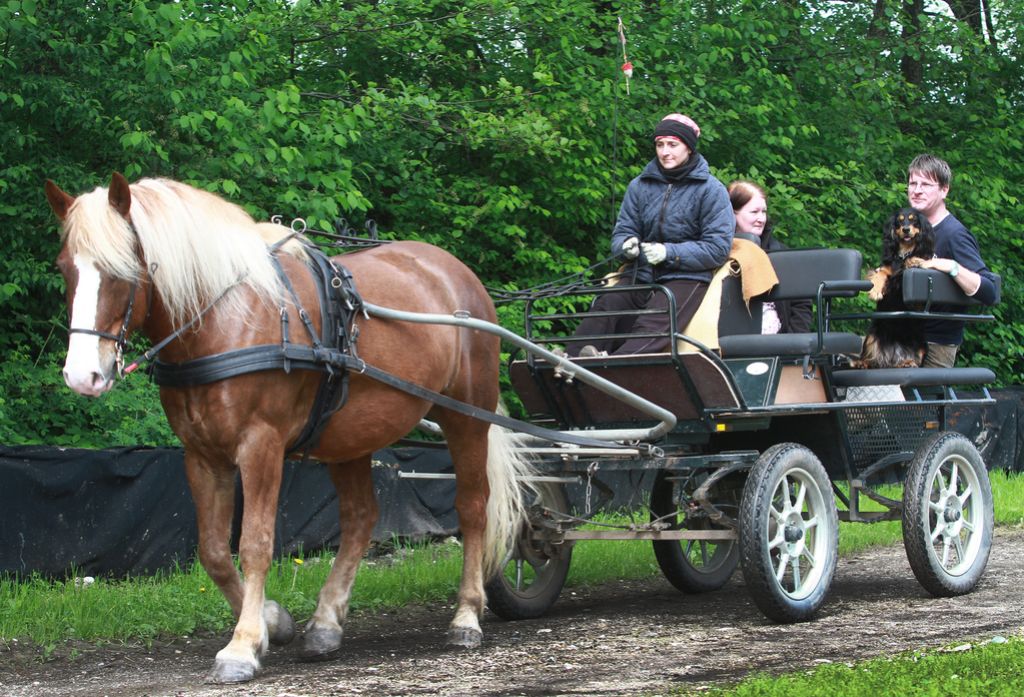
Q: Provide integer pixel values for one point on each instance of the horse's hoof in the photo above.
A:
(464, 638)
(280, 625)
(320, 644)
(227, 671)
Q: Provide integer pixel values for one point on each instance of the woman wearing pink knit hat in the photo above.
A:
(676, 225)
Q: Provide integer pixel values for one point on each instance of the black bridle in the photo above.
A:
(121, 338)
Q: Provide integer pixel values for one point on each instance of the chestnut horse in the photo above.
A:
(158, 256)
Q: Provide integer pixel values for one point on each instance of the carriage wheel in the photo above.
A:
(789, 533)
(692, 566)
(532, 578)
(947, 515)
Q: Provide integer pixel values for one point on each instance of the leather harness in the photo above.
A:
(332, 353)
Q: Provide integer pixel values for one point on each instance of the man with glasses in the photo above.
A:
(956, 253)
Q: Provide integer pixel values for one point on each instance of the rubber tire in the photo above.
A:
(549, 570)
(942, 452)
(674, 555)
(760, 536)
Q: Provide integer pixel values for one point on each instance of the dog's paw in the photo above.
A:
(912, 262)
(875, 294)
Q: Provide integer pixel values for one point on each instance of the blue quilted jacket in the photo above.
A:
(692, 217)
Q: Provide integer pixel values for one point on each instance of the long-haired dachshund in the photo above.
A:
(897, 343)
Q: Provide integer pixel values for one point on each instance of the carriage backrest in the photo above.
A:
(922, 286)
(735, 317)
(801, 271)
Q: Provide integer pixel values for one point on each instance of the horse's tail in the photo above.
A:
(506, 508)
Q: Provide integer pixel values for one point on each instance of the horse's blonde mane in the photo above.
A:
(196, 244)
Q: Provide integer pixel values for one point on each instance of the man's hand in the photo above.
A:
(631, 248)
(654, 252)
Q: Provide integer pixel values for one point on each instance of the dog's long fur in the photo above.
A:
(897, 343)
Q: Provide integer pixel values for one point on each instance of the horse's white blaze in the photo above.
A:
(83, 367)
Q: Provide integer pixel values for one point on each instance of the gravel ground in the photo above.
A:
(635, 638)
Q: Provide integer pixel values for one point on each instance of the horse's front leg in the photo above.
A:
(468, 446)
(357, 509)
(260, 460)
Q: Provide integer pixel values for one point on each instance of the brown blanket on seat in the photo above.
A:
(757, 276)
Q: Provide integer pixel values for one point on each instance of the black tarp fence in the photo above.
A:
(128, 511)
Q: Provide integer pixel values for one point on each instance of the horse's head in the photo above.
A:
(105, 290)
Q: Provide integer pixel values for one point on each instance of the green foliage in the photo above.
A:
(503, 130)
(37, 407)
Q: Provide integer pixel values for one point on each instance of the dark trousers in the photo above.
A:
(687, 294)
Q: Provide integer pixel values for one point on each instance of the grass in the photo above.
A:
(991, 669)
(185, 601)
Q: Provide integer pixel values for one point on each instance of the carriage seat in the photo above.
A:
(921, 289)
(801, 273)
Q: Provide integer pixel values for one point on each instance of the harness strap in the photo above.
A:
(222, 366)
(335, 293)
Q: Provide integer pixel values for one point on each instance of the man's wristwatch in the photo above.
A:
(954, 270)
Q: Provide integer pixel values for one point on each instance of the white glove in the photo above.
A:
(631, 248)
(654, 252)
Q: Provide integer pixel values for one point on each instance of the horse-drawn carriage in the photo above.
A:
(769, 432)
(748, 438)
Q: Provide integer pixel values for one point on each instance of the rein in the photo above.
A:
(581, 280)
(162, 344)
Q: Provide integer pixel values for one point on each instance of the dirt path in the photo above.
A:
(622, 638)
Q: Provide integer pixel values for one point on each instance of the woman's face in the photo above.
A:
(753, 216)
(672, 152)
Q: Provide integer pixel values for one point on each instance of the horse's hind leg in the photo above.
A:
(357, 509)
(467, 442)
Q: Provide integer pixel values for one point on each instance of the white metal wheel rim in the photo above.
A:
(798, 534)
(953, 515)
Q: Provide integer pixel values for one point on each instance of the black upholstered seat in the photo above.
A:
(804, 274)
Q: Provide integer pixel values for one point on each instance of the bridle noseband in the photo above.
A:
(121, 338)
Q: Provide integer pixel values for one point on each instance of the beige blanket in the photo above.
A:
(746, 260)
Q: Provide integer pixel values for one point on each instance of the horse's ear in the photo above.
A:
(119, 195)
(60, 202)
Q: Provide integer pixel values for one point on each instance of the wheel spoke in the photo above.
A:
(519, 574)
(968, 526)
(937, 507)
(810, 523)
(779, 539)
(796, 573)
(785, 493)
(801, 495)
(966, 495)
(954, 478)
(937, 532)
(703, 553)
(780, 571)
(959, 544)
(809, 555)
(777, 515)
(945, 552)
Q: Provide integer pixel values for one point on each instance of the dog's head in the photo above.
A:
(908, 233)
